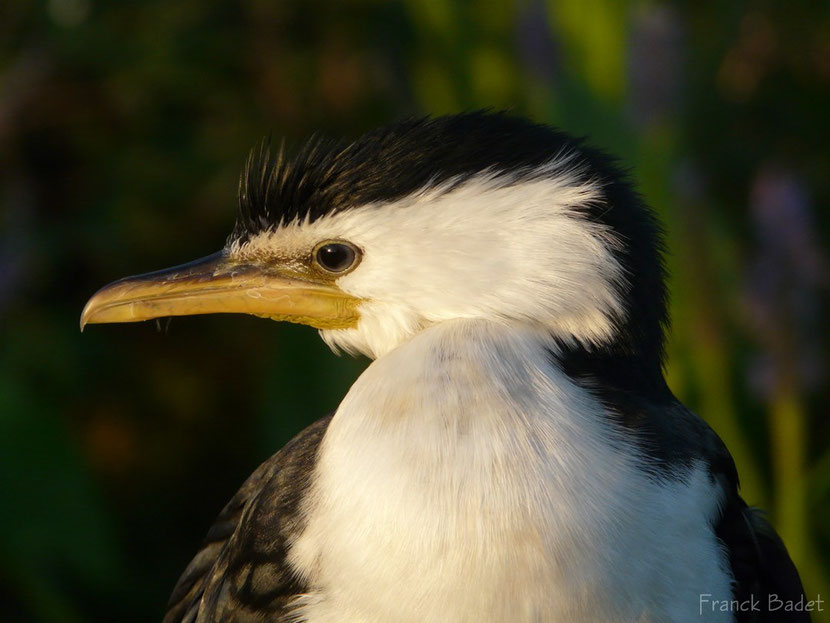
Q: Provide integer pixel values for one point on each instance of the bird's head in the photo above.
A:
(479, 215)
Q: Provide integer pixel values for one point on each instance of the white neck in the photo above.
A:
(466, 478)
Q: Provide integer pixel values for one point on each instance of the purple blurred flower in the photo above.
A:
(655, 70)
(784, 282)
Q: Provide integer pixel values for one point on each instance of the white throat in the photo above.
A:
(466, 478)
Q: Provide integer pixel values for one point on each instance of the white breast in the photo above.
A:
(465, 478)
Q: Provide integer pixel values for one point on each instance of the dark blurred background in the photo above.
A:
(123, 126)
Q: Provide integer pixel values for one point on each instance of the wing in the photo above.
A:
(240, 573)
(761, 566)
(671, 435)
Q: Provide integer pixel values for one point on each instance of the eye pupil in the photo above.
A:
(336, 257)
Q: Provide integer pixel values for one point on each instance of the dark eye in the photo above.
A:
(336, 257)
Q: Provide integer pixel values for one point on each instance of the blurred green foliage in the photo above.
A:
(122, 129)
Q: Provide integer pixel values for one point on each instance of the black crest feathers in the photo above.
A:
(325, 176)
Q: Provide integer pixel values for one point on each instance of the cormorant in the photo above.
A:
(513, 452)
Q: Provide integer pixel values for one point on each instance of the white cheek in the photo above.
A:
(486, 249)
(516, 253)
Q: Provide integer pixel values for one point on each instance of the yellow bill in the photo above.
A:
(218, 285)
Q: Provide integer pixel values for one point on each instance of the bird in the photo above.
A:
(512, 452)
